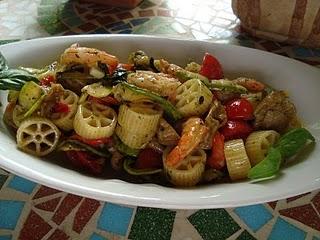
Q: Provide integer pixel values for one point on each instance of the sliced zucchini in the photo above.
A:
(29, 94)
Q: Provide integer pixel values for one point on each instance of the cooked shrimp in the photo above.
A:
(160, 83)
(250, 84)
(193, 132)
(88, 56)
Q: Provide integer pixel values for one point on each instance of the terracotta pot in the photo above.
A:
(291, 21)
(116, 3)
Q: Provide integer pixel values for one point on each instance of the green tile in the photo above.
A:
(245, 235)
(146, 4)
(3, 179)
(214, 224)
(152, 224)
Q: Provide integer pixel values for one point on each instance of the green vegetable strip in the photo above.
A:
(225, 85)
(70, 144)
(169, 109)
(288, 145)
(268, 167)
(124, 149)
(128, 162)
(291, 142)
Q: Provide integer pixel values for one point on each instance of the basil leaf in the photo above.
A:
(3, 63)
(14, 79)
(268, 167)
(291, 142)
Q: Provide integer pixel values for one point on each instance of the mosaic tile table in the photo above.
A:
(29, 211)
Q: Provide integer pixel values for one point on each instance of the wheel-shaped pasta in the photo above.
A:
(94, 120)
(145, 117)
(37, 136)
(189, 172)
(193, 98)
(258, 143)
(238, 163)
(65, 120)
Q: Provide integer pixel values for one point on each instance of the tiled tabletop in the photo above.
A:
(29, 211)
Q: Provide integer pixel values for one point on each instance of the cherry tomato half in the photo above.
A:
(235, 129)
(239, 109)
(211, 67)
(47, 80)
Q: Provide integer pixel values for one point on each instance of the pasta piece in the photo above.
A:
(97, 90)
(160, 83)
(238, 163)
(65, 120)
(37, 136)
(122, 94)
(258, 143)
(166, 135)
(94, 120)
(193, 98)
(145, 117)
(189, 172)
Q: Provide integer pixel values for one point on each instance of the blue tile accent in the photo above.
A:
(115, 24)
(302, 52)
(286, 231)
(121, 27)
(22, 184)
(255, 216)
(100, 30)
(139, 21)
(115, 218)
(10, 212)
(316, 52)
(128, 31)
(6, 237)
(95, 236)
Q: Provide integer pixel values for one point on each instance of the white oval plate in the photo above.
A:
(301, 81)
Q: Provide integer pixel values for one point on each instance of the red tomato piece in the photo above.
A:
(92, 142)
(126, 66)
(149, 158)
(60, 107)
(239, 109)
(47, 80)
(235, 129)
(211, 67)
(217, 159)
(84, 160)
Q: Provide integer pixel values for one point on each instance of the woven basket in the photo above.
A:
(291, 21)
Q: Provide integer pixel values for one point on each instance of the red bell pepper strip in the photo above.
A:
(60, 107)
(211, 67)
(47, 80)
(217, 159)
(92, 142)
(84, 160)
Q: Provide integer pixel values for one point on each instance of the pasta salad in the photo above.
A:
(151, 120)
